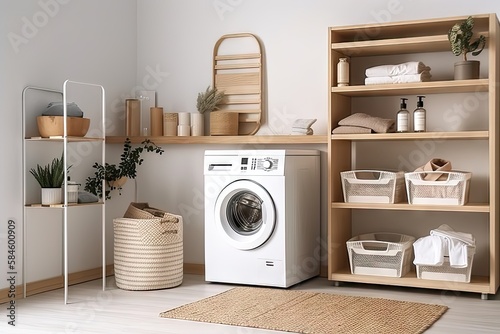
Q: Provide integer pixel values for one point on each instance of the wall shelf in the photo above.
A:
(279, 139)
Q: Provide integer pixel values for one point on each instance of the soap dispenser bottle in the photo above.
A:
(403, 118)
(419, 116)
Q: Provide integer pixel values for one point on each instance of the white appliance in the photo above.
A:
(262, 216)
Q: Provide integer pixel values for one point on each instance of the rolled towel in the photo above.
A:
(412, 67)
(344, 129)
(377, 124)
(406, 78)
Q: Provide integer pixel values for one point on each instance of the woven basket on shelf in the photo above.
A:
(224, 123)
(148, 249)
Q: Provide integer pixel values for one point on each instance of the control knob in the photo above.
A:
(267, 164)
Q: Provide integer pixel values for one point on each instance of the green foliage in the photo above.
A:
(51, 175)
(209, 99)
(129, 160)
(460, 36)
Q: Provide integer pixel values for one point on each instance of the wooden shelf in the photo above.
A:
(61, 138)
(467, 135)
(478, 284)
(61, 205)
(470, 207)
(414, 88)
(280, 139)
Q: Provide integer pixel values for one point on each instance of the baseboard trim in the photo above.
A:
(55, 283)
(33, 288)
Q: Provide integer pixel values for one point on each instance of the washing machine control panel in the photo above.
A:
(259, 163)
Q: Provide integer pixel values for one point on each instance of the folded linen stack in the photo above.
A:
(303, 127)
(443, 241)
(363, 123)
(414, 71)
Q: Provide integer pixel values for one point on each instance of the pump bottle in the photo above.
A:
(403, 118)
(419, 116)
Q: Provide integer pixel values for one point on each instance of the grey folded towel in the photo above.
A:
(377, 124)
(350, 129)
(56, 109)
(303, 123)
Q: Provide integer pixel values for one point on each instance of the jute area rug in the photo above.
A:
(309, 312)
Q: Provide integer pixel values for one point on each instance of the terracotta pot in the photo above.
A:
(465, 70)
(118, 183)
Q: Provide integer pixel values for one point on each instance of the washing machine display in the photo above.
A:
(245, 214)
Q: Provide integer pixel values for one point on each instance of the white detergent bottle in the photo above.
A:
(419, 116)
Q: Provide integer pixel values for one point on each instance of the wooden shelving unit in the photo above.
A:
(402, 38)
(280, 139)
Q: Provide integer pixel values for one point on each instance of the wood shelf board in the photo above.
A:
(400, 29)
(61, 205)
(278, 139)
(61, 138)
(470, 207)
(414, 136)
(416, 88)
(479, 284)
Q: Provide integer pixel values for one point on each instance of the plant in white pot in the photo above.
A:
(50, 178)
(460, 37)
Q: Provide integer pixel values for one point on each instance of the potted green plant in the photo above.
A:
(461, 40)
(116, 175)
(50, 178)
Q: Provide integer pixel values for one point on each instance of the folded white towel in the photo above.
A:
(412, 67)
(406, 78)
(456, 245)
(300, 131)
(429, 251)
(303, 123)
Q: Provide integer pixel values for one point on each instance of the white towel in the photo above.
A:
(456, 245)
(303, 123)
(406, 78)
(300, 131)
(429, 251)
(412, 67)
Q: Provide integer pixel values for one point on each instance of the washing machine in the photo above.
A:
(262, 216)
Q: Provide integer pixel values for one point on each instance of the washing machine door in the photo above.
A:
(245, 214)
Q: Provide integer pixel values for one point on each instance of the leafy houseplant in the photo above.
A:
(50, 178)
(127, 168)
(460, 37)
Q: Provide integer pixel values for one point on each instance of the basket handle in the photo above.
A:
(373, 251)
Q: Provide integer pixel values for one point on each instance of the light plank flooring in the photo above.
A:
(90, 310)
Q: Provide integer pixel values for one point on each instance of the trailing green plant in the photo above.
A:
(460, 36)
(129, 160)
(209, 99)
(50, 175)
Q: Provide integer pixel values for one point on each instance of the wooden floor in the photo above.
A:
(91, 310)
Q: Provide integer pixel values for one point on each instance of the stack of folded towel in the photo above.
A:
(443, 241)
(414, 71)
(303, 127)
(363, 123)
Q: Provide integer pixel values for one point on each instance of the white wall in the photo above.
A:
(54, 40)
(169, 49)
(179, 36)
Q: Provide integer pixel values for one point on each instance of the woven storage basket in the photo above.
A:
(224, 123)
(148, 249)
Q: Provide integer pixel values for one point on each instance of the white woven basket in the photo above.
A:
(148, 249)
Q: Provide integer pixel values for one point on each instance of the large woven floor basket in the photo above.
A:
(148, 249)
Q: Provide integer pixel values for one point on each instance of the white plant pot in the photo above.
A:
(197, 124)
(51, 196)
